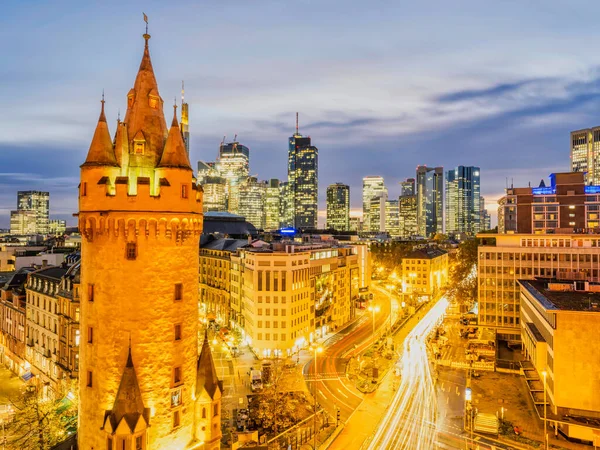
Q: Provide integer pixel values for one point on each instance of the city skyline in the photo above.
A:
(533, 93)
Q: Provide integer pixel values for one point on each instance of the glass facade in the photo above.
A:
(373, 186)
(430, 200)
(303, 183)
(252, 201)
(40, 203)
(338, 207)
(463, 200)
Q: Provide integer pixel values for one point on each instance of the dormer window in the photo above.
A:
(139, 143)
(139, 148)
(153, 103)
(130, 98)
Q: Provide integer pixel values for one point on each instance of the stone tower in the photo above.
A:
(140, 215)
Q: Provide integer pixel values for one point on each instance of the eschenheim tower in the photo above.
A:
(142, 384)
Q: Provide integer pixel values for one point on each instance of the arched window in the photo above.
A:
(204, 412)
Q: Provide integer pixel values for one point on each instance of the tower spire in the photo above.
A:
(101, 152)
(296, 122)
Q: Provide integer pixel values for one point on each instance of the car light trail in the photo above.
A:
(409, 422)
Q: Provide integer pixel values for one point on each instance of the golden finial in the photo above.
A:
(146, 35)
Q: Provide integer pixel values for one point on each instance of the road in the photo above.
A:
(334, 390)
(410, 421)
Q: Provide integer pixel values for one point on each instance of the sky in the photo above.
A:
(380, 86)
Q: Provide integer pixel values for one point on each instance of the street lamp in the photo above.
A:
(545, 421)
(316, 349)
(374, 309)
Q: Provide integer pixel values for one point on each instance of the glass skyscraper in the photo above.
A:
(373, 186)
(338, 207)
(234, 166)
(39, 202)
(272, 205)
(430, 200)
(252, 201)
(303, 183)
(463, 203)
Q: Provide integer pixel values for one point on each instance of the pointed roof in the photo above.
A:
(121, 142)
(128, 402)
(145, 109)
(206, 374)
(174, 154)
(101, 152)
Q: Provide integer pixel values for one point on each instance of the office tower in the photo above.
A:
(142, 383)
(23, 222)
(485, 222)
(373, 186)
(407, 212)
(463, 200)
(407, 187)
(430, 200)
(392, 218)
(567, 204)
(57, 226)
(185, 128)
(303, 170)
(233, 165)
(205, 169)
(252, 201)
(355, 224)
(272, 205)
(377, 213)
(286, 210)
(215, 198)
(338, 207)
(40, 203)
(585, 154)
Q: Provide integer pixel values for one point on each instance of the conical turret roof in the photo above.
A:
(101, 152)
(174, 154)
(145, 108)
(128, 402)
(206, 375)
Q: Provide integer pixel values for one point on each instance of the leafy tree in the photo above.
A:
(40, 423)
(464, 284)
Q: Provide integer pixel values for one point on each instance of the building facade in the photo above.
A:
(39, 202)
(407, 187)
(140, 215)
(23, 222)
(585, 154)
(252, 195)
(303, 181)
(425, 272)
(407, 216)
(233, 164)
(272, 205)
(463, 200)
(377, 211)
(373, 186)
(430, 200)
(338, 207)
(392, 218)
(516, 257)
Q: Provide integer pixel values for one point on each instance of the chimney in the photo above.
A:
(44, 263)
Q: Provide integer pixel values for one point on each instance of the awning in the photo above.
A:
(27, 376)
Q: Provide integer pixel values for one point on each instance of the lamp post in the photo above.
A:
(545, 421)
(316, 349)
(374, 309)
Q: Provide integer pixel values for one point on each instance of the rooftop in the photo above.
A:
(54, 272)
(426, 253)
(558, 300)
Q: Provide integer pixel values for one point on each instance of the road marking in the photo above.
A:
(447, 400)
(457, 393)
(340, 391)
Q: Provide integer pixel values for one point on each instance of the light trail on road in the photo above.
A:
(409, 422)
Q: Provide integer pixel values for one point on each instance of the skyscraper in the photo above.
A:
(252, 201)
(39, 202)
(272, 204)
(485, 222)
(392, 218)
(407, 212)
(142, 383)
(234, 166)
(185, 128)
(585, 154)
(286, 210)
(303, 169)
(430, 200)
(407, 187)
(23, 222)
(373, 186)
(377, 211)
(215, 197)
(463, 200)
(338, 207)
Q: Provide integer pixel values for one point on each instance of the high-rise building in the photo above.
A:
(252, 201)
(392, 218)
(185, 127)
(485, 222)
(40, 203)
(215, 197)
(407, 187)
(234, 166)
(272, 205)
(355, 224)
(407, 212)
(142, 383)
(567, 204)
(373, 186)
(585, 154)
(57, 226)
(23, 222)
(286, 210)
(303, 172)
(206, 169)
(430, 200)
(377, 210)
(463, 200)
(338, 207)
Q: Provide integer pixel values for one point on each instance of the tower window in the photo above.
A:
(91, 292)
(216, 410)
(178, 291)
(138, 147)
(176, 419)
(178, 332)
(139, 442)
(83, 189)
(90, 335)
(184, 191)
(131, 251)
(109, 443)
(90, 378)
(177, 375)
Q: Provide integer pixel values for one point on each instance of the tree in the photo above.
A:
(461, 275)
(40, 423)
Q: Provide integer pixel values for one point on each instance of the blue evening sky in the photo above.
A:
(381, 86)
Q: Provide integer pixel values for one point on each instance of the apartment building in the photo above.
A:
(424, 272)
(505, 258)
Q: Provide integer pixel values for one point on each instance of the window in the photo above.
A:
(177, 375)
(139, 443)
(216, 410)
(178, 291)
(83, 189)
(90, 335)
(178, 332)
(175, 397)
(90, 378)
(176, 419)
(184, 191)
(109, 443)
(131, 251)
(204, 412)
(90, 292)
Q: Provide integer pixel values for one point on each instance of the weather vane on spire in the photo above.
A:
(146, 20)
